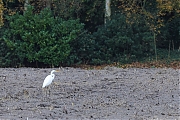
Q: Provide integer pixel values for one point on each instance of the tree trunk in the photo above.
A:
(169, 49)
(1, 13)
(155, 49)
(48, 3)
(107, 11)
(26, 3)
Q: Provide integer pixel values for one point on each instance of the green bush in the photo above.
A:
(118, 41)
(169, 35)
(7, 55)
(173, 32)
(84, 49)
(40, 37)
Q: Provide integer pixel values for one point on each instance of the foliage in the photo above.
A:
(117, 41)
(127, 37)
(7, 56)
(126, 42)
(169, 38)
(40, 37)
(89, 12)
(92, 14)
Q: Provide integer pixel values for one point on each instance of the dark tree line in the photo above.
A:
(67, 32)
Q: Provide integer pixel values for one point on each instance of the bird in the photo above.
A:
(48, 80)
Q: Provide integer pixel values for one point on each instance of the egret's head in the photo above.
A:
(54, 71)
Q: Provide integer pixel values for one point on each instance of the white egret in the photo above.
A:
(48, 80)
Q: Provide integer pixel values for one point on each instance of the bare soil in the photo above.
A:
(110, 93)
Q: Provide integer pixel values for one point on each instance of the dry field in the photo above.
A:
(111, 93)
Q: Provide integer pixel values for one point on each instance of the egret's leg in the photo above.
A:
(43, 93)
(47, 88)
(49, 91)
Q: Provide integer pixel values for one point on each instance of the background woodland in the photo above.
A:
(50, 33)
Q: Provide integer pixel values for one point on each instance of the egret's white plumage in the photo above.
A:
(48, 80)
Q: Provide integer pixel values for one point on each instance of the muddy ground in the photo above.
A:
(111, 93)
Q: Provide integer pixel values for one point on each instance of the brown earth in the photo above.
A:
(110, 93)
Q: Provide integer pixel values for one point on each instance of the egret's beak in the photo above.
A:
(57, 71)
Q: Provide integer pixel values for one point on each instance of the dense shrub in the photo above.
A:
(84, 49)
(7, 56)
(173, 28)
(169, 35)
(40, 37)
(118, 41)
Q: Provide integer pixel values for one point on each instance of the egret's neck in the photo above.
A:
(53, 75)
(52, 71)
